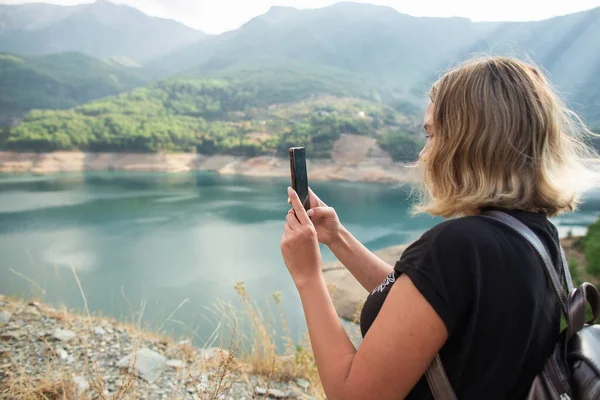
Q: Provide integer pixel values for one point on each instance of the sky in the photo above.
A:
(217, 16)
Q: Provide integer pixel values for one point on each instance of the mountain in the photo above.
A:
(101, 29)
(565, 47)
(59, 81)
(394, 49)
(402, 55)
(283, 77)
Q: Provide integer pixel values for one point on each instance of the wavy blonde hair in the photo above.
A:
(502, 138)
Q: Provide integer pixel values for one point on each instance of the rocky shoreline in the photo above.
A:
(49, 353)
(347, 294)
(354, 158)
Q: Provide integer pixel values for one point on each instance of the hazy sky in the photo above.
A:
(216, 16)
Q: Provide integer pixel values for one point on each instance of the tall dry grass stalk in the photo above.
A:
(297, 359)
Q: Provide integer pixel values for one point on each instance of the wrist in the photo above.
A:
(339, 239)
(308, 281)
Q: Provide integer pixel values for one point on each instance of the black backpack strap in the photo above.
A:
(437, 379)
(537, 244)
(574, 303)
(565, 271)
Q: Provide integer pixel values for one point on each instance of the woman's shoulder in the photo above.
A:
(464, 230)
(453, 239)
(480, 228)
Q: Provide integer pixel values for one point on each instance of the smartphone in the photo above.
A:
(299, 174)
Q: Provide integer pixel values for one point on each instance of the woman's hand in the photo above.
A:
(299, 244)
(324, 219)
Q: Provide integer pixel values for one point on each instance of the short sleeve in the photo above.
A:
(441, 266)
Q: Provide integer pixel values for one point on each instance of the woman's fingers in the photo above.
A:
(286, 230)
(292, 221)
(320, 212)
(298, 207)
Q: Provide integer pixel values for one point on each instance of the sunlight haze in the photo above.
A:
(216, 17)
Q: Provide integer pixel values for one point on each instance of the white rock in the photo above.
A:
(278, 394)
(204, 381)
(5, 317)
(98, 331)
(149, 365)
(175, 364)
(303, 383)
(14, 335)
(61, 353)
(63, 335)
(33, 310)
(295, 393)
(81, 383)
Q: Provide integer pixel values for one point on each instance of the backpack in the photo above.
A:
(573, 369)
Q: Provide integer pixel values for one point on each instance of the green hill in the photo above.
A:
(275, 80)
(214, 116)
(59, 81)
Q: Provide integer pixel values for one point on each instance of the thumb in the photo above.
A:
(321, 212)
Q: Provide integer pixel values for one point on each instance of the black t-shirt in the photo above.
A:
(489, 287)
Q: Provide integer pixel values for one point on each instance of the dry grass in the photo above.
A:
(188, 350)
(54, 383)
(259, 358)
(297, 360)
(55, 387)
(226, 366)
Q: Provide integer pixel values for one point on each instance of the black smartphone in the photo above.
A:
(299, 174)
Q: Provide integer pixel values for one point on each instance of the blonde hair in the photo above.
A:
(502, 138)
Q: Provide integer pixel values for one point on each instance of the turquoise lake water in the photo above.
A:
(144, 243)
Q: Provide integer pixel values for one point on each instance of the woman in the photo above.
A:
(470, 289)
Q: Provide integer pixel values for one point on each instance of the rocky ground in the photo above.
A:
(45, 353)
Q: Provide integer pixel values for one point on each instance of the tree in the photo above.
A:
(401, 146)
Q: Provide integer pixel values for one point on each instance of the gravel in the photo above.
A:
(37, 342)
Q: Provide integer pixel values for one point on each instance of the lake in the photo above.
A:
(169, 247)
